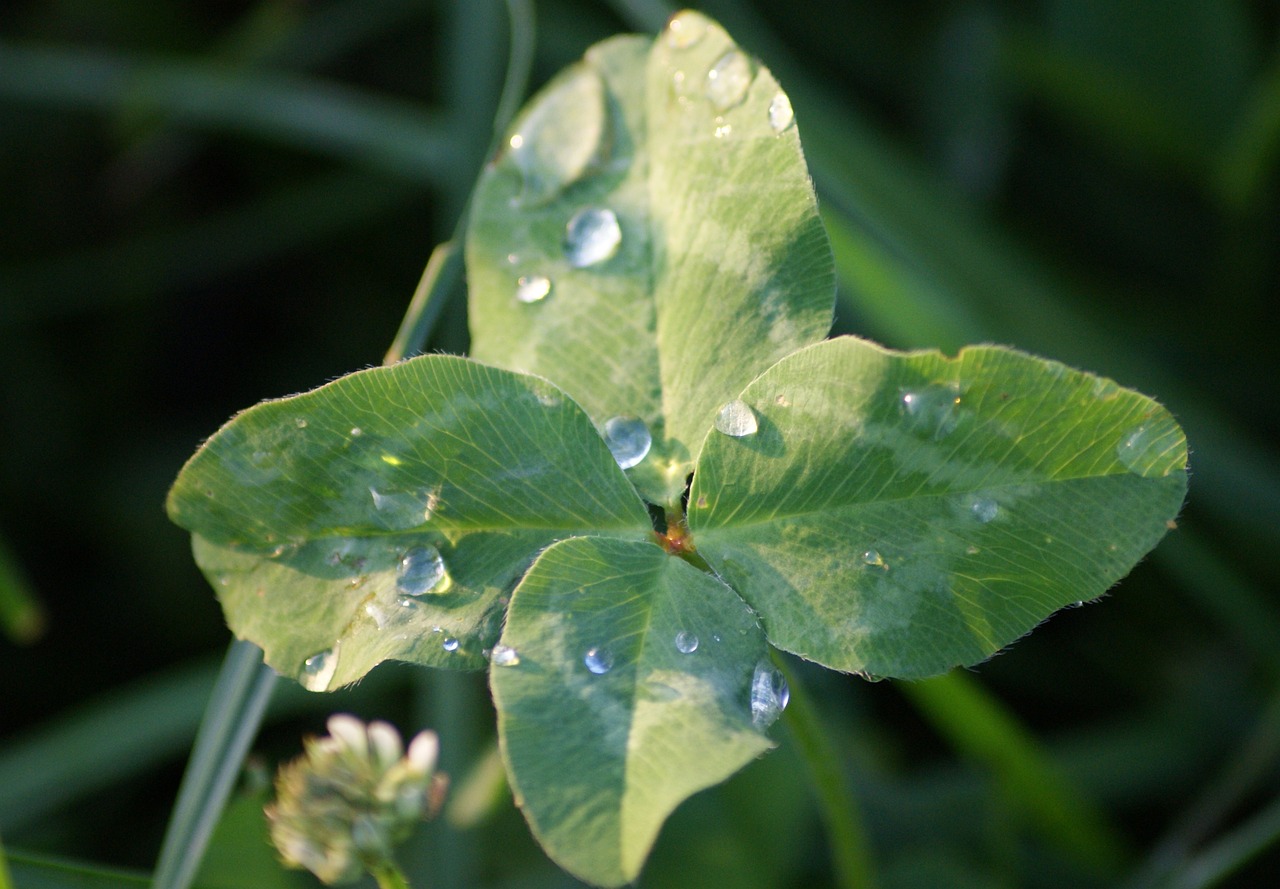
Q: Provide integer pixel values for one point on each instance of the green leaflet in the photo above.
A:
(650, 240)
(900, 514)
(319, 518)
(633, 690)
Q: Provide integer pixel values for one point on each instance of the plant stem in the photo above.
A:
(850, 851)
(389, 876)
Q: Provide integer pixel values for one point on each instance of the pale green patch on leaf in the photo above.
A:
(388, 513)
(659, 253)
(632, 691)
(900, 514)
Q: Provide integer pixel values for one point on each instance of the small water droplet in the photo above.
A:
(376, 614)
(685, 29)
(932, 410)
(729, 79)
(300, 422)
(985, 509)
(318, 670)
(715, 637)
(513, 258)
(769, 695)
(972, 550)
(873, 558)
(686, 642)
(449, 644)
(504, 656)
(421, 571)
(781, 115)
(723, 130)
(628, 439)
(591, 237)
(737, 419)
(532, 288)
(598, 660)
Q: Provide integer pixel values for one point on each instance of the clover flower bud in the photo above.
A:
(353, 795)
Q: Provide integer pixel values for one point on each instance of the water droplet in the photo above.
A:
(729, 79)
(504, 656)
(421, 570)
(737, 419)
(932, 410)
(723, 130)
(402, 510)
(318, 670)
(598, 660)
(686, 642)
(300, 422)
(449, 644)
(356, 432)
(591, 237)
(532, 288)
(781, 115)
(769, 695)
(1141, 448)
(685, 29)
(972, 550)
(874, 559)
(560, 137)
(628, 439)
(376, 614)
(985, 509)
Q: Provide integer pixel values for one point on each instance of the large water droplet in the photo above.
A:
(591, 237)
(729, 79)
(932, 410)
(403, 510)
(1140, 447)
(318, 670)
(769, 695)
(504, 656)
(560, 136)
(532, 288)
(628, 439)
(598, 660)
(685, 29)
(781, 115)
(985, 509)
(873, 558)
(737, 419)
(686, 642)
(421, 571)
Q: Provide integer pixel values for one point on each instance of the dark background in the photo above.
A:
(204, 204)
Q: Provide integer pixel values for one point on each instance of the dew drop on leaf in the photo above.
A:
(769, 695)
(932, 411)
(300, 422)
(685, 30)
(504, 656)
(874, 559)
(591, 237)
(598, 660)
(318, 670)
(722, 129)
(781, 115)
(356, 432)
(450, 644)
(560, 136)
(628, 439)
(532, 288)
(985, 509)
(421, 571)
(1139, 446)
(729, 79)
(686, 642)
(737, 419)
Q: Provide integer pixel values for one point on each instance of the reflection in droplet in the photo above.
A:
(504, 656)
(591, 237)
(532, 288)
(686, 642)
(598, 660)
(985, 509)
(729, 79)
(737, 419)
(769, 695)
(685, 29)
(318, 670)
(421, 570)
(874, 559)
(781, 115)
(628, 439)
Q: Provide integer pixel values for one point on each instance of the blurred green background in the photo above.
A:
(204, 204)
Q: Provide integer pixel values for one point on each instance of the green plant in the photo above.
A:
(655, 467)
